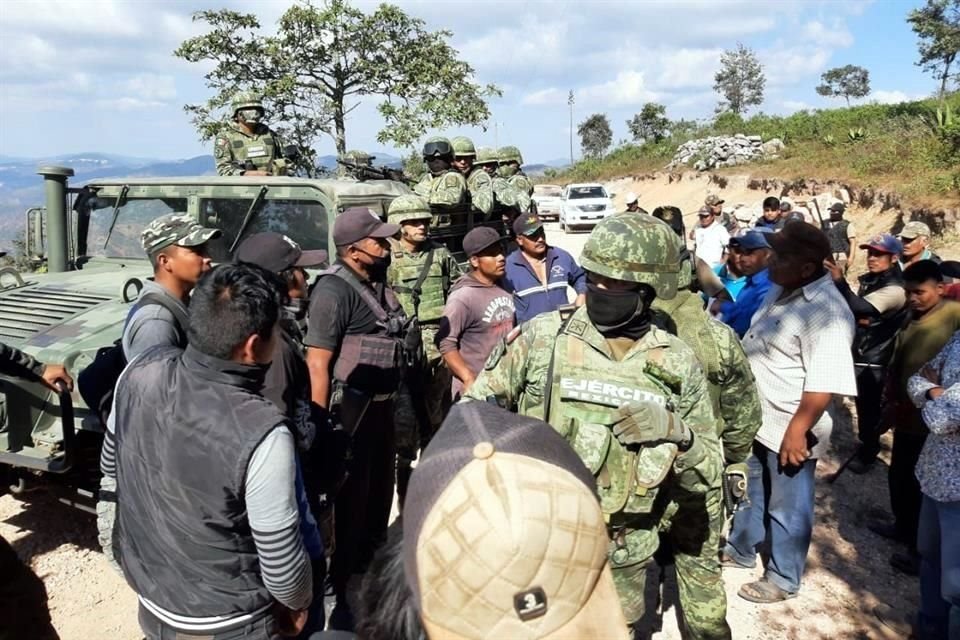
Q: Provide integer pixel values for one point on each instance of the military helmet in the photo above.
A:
(247, 100)
(437, 146)
(408, 207)
(486, 155)
(463, 147)
(357, 157)
(509, 153)
(635, 247)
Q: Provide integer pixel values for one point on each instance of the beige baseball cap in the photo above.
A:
(503, 535)
(915, 228)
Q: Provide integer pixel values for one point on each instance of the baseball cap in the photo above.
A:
(750, 240)
(503, 535)
(704, 212)
(276, 252)
(479, 239)
(839, 207)
(527, 225)
(794, 215)
(357, 223)
(786, 206)
(915, 228)
(800, 239)
(713, 200)
(178, 229)
(631, 197)
(884, 242)
(950, 268)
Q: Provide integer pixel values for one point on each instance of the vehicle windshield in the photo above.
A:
(586, 192)
(134, 215)
(547, 191)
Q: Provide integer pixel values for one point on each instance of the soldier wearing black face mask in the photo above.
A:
(247, 147)
(442, 185)
(356, 343)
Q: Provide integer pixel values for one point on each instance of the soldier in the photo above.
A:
(503, 193)
(632, 401)
(441, 185)
(247, 142)
(479, 182)
(420, 273)
(352, 164)
(510, 160)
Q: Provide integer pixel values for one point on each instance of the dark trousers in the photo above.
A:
(262, 628)
(362, 508)
(869, 425)
(905, 496)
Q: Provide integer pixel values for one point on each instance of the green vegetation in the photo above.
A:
(911, 147)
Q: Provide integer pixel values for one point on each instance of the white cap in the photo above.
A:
(631, 197)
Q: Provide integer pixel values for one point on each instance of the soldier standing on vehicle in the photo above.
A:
(511, 169)
(503, 193)
(352, 164)
(247, 147)
(442, 184)
(355, 342)
(632, 400)
(421, 273)
(479, 183)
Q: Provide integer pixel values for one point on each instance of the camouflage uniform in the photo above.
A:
(432, 387)
(516, 178)
(569, 374)
(233, 147)
(479, 184)
(448, 188)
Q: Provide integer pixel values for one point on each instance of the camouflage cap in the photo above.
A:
(408, 207)
(713, 200)
(915, 228)
(635, 247)
(486, 155)
(175, 229)
(463, 147)
(509, 153)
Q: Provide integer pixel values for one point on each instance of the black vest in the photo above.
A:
(873, 343)
(187, 425)
(837, 234)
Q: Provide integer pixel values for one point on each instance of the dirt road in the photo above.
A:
(847, 574)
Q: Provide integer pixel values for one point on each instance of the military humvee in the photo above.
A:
(88, 240)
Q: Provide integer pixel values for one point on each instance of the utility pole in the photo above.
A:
(570, 102)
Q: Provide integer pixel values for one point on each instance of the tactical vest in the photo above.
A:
(260, 148)
(873, 344)
(406, 269)
(429, 185)
(373, 363)
(521, 182)
(837, 235)
(586, 388)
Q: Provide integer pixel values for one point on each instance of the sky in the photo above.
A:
(99, 75)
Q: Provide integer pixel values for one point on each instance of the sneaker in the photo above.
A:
(341, 618)
(907, 563)
(863, 462)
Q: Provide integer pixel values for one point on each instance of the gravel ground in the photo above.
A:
(847, 574)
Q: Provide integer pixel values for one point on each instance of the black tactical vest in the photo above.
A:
(873, 343)
(837, 234)
(187, 425)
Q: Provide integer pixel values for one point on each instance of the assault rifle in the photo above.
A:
(283, 166)
(364, 172)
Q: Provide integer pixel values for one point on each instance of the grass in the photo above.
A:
(902, 148)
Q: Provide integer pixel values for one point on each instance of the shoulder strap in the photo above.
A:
(181, 318)
(548, 392)
(366, 294)
(424, 272)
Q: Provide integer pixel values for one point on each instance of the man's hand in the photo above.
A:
(53, 373)
(930, 374)
(289, 621)
(793, 449)
(646, 421)
(935, 393)
(836, 271)
(715, 307)
(467, 383)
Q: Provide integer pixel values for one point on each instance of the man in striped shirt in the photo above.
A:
(537, 274)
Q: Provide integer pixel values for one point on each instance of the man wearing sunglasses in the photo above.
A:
(442, 184)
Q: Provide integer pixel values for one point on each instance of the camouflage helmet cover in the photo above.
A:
(463, 147)
(635, 247)
(357, 156)
(510, 153)
(175, 229)
(408, 207)
(486, 155)
(433, 142)
(247, 100)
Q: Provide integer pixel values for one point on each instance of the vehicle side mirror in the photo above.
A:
(611, 195)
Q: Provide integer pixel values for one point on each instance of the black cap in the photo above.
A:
(950, 268)
(839, 207)
(479, 239)
(276, 252)
(801, 239)
(357, 223)
(527, 225)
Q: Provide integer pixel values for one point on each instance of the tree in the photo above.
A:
(595, 135)
(740, 80)
(937, 25)
(650, 125)
(323, 60)
(849, 81)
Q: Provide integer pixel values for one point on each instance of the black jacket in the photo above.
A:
(876, 332)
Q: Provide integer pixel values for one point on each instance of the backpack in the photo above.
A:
(98, 380)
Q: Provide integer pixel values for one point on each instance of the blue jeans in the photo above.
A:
(781, 508)
(939, 617)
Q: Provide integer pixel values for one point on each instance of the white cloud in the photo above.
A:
(151, 87)
(791, 65)
(627, 89)
(883, 96)
(792, 106)
(688, 68)
(835, 36)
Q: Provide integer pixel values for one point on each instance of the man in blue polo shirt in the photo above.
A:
(754, 253)
(537, 274)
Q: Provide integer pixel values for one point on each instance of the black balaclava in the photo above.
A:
(617, 313)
